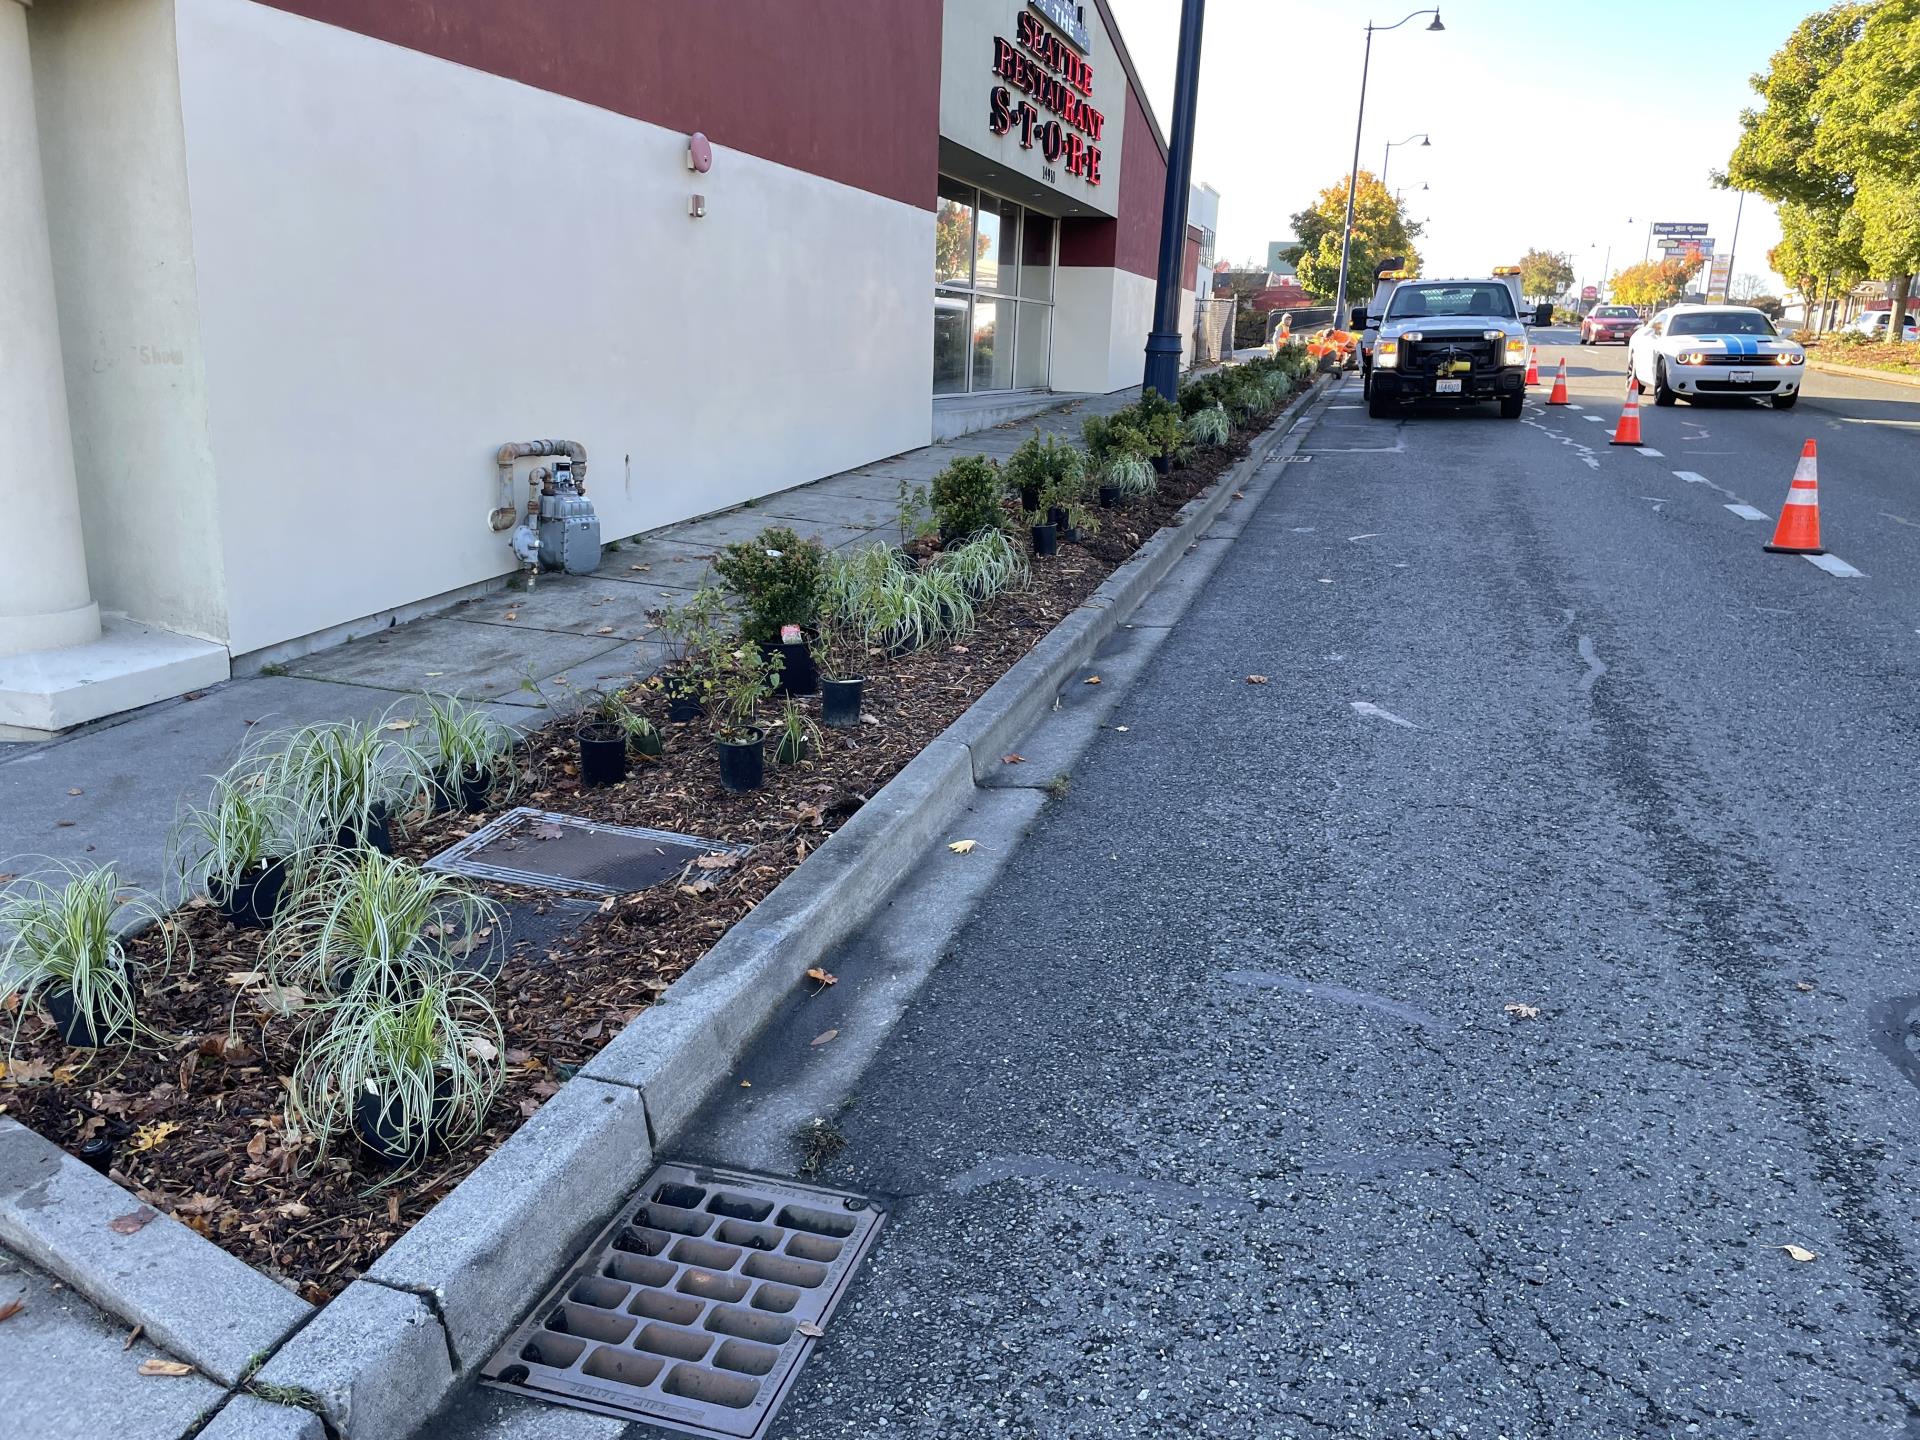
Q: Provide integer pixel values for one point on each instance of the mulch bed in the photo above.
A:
(198, 1126)
(1901, 359)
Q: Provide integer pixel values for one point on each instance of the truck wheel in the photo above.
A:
(1510, 406)
(1663, 394)
(1379, 407)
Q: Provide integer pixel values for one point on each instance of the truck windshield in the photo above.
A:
(1413, 301)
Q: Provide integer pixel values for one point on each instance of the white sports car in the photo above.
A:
(1696, 350)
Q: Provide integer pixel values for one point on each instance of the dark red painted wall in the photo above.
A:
(1133, 241)
(846, 89)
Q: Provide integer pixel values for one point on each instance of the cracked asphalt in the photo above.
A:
(1307, 1074)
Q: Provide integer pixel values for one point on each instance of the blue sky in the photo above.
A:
(1607, 111)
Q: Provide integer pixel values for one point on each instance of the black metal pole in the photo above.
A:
(1163, 345)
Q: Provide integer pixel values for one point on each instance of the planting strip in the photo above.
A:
(391, 1348)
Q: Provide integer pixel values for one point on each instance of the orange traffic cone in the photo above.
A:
(1533, 366)
(1628, 430)
(1559, 395)
(1798, 532)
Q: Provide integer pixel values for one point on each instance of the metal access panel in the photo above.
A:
(565, 852)
(695, 1309)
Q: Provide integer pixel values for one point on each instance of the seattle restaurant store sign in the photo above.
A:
(1044, 68)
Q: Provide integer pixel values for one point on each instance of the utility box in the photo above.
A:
(569, 527)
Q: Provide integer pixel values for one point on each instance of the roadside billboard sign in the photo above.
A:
(1679, 227)
(1589, 292)
(1717, 276)
(1703, 244)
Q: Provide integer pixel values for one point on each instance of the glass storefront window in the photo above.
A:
(986, 251)
(951, 324)
(953, 240)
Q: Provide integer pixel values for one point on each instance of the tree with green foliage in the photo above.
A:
(1545, 275)
(1657, 282)
(1380, 229)
(1839, 137)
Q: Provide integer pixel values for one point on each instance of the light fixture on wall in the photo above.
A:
(699, 153)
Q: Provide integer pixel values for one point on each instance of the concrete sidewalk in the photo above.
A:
(110, 792)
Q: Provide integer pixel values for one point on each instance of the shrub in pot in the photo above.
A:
(472, 753)
(843, 681)
(799, 674)
(799, 736)
(248, 842)
(776, 578)
(351, 780)
(967, 498)
(690, 632)
(742, 678)
(61, 946)
(1209, 427)
(405, 1074)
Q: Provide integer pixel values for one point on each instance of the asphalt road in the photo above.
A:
(1447, 1036)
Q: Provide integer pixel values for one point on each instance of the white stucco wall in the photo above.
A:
(1104, 316)
(116, 183)
(403, 263)
(967, 78)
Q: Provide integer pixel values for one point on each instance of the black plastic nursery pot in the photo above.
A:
(97, 1153)
(1109, 496)
(1057, 516)
(1030, 498)
(684, 709)
(840, 702)
(649, 743)
(1073, 535)
(374, 833)
(791, 750)
(466, 791)
(254, 899)
(82, 1031)
(1046, 539)
(743, 763)
(377, 1125)
(1161, 464)
(798, 673)
(603, 753)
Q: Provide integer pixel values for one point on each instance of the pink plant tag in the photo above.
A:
(789, 634)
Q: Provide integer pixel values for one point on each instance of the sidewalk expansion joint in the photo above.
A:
(432, 1301)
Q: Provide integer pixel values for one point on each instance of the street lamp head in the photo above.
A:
(1436, 25)
(1426, 143)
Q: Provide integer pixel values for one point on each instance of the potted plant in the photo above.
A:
(404, 1076)
(690, 632)
(472, 753)
(776, 578)
(742, 678)
(602, 738)
(967, 498)
(918, 528)
(247, 841)
(365, 921)
(984, 566)
(63, 947)
(799, 736)
(353, 780)
(843, 683)
(1156, 420)
(799, 674)
(1046, 534)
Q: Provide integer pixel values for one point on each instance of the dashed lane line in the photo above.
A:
(1835, 566)
(1650, 452)
(1747, 512)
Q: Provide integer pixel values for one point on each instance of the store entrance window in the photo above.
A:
(993, 271)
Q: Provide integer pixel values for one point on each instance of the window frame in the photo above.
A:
(972, 292)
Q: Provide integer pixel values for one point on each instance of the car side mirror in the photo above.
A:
(1357, 318)
(1543, 313)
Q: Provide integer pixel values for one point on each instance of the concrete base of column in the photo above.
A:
(26, 633)
(129, 665)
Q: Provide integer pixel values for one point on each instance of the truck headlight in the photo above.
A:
(1787, 357)
(1516, 350)
(1386, 355)
(1690, 357)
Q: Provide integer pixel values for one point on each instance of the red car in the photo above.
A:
(1606, 323)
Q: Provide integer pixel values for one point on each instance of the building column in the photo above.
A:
(45, 602)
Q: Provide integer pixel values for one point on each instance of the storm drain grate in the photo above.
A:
(696, 1307)
(565, 852)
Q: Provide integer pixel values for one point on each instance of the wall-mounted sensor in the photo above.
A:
(697, 206)
(699, 153)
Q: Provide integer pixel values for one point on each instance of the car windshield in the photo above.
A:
(1721, 322)
(1615, 312)
(1413, 301)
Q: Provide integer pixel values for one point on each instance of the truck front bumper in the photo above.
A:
(1392, 385)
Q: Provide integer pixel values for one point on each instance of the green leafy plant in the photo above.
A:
(369, 922)
(1112, 437)
(344, 777)
(984, 566)
(1157, 420)
(1208, 427)
(428, 1063)
(61, 942)
(740, 679)
(799, 736)
(915, 518)
(1055, 468)
(776, 578)
(243, 827)
(966, 498)
(1132, 476)
(468, 745)
(611, 712)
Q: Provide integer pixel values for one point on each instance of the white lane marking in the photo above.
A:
(1863, 420)
(1596, 667)
(1897, 519)
(1374, 712)
(1835, 566)
(1369, 535)
(1343, 407)
(1692, 477)
(1594, 418)
(1303, 529)
(1747, 512)
(1650, 452)
(1585, 452)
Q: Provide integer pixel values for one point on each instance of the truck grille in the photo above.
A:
(1425, 357)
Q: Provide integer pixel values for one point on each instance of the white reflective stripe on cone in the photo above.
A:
(1803, 495)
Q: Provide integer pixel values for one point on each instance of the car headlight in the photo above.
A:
(1690, 357)
(1386, 355)
(1493, 334)
(1412, 335)
(1516, 350)
(1788, 357)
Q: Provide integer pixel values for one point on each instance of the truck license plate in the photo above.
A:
(1741, 377)
(1446, 387)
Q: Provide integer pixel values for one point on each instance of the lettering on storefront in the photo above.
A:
(1056, 85)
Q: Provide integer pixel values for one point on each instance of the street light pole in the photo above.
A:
(1353, 177)
(1426, 142)
(1732, 248)
(1163, 345)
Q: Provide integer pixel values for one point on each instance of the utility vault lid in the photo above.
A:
(695, 1309)
(565, 852)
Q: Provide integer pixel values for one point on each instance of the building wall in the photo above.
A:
(115, 173)
(404, 262)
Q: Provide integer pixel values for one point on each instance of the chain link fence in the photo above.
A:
(1213, 329)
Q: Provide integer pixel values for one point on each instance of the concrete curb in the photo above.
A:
(195, 1300)
(1863, 372)
(385, 1355)
(246, 1417)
